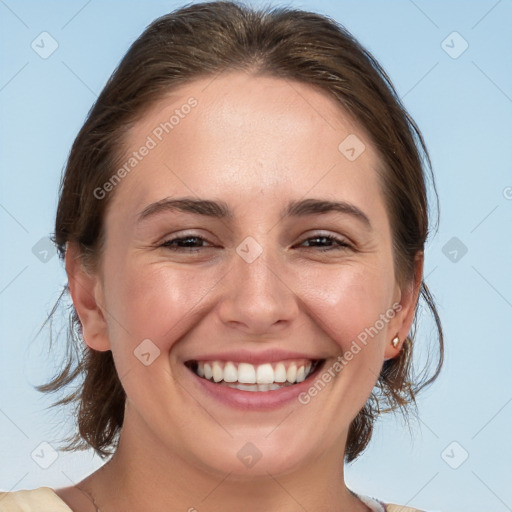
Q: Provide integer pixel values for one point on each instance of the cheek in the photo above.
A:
(348, 305)
(164, 303)
(348, 302)
(156, 302)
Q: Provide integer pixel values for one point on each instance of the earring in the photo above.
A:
(395, 341)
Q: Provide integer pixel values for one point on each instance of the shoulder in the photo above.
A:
(401, 508)
(376, 505)
(42, 499)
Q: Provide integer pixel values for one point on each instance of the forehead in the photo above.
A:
(247, 136)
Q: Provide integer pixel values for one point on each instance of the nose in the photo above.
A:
(258, 298)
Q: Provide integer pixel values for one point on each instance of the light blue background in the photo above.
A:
(464, 109)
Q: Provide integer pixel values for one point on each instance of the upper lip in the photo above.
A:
(247, 356)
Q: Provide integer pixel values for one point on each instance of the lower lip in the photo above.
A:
(255, 400)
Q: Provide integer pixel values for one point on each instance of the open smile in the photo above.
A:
(254, 386)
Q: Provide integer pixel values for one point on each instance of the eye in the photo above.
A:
(326, 243)
(193, 243)
(189, 243)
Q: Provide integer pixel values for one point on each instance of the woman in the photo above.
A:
(243, 218)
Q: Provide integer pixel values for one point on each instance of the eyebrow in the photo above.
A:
(220, 209)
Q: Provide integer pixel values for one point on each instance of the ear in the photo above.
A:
(87, 295)
(408, 298)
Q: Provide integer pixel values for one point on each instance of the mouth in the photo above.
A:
(244, 376)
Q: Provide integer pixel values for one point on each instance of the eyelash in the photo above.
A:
(341, 244)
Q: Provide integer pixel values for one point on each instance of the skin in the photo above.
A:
(255, 143)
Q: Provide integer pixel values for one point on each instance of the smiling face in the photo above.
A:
(245, 236)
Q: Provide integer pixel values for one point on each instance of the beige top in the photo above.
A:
(45, 499)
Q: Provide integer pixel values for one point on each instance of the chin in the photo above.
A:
(247, 457)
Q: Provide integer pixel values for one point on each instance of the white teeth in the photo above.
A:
(208, 374)
(265, 374)
(253, 387)
(263, 377)
(291, 374)
(280, 373)
(218, 374)
(230, 372)
(246, 373)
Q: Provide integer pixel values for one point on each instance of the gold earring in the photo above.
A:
(395, 341)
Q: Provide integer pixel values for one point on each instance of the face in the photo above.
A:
(246, 244)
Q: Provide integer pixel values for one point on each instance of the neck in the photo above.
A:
(143, 476)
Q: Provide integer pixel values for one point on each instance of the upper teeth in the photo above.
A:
(246, 373)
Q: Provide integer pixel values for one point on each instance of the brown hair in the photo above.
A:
(203, 40)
